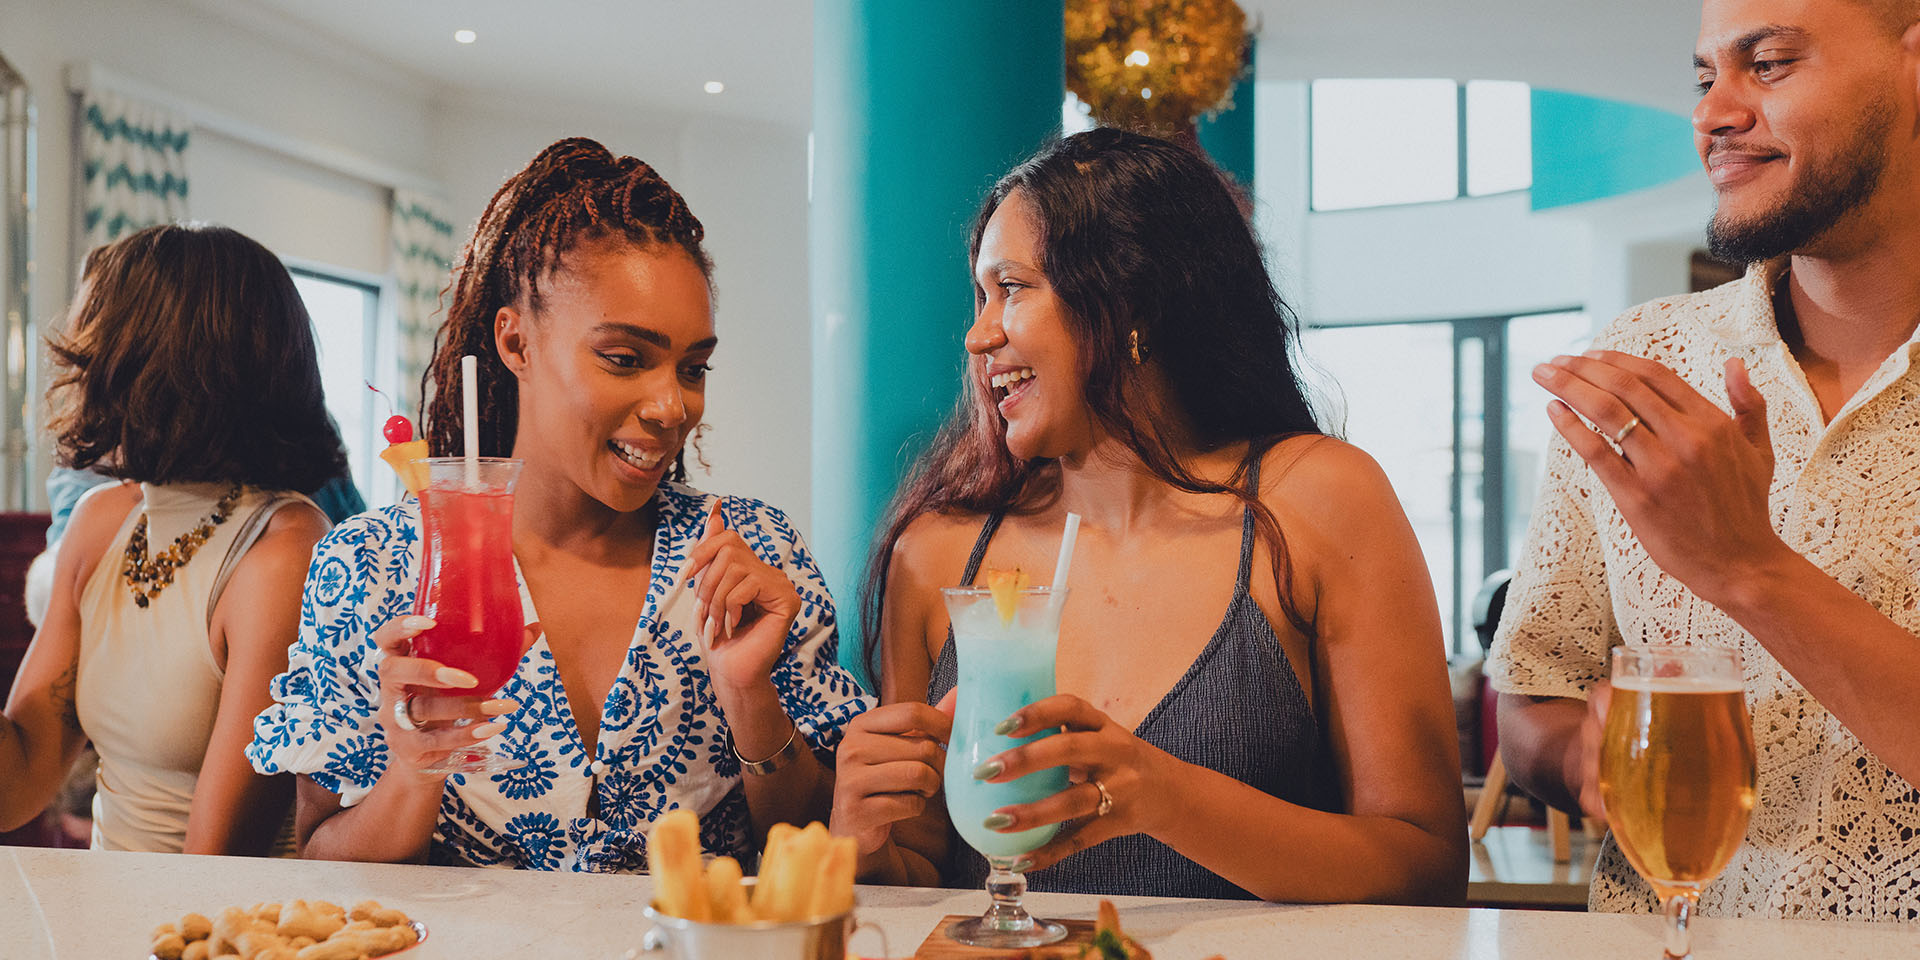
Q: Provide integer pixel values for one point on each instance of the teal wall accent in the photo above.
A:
(918, 107)
(1586, 148)
(1228, 137)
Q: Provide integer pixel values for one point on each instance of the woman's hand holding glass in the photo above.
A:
(888, 769)
(743, 608)
(1117, 778)
(418, 729)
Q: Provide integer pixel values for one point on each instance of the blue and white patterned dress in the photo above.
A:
(663, 742)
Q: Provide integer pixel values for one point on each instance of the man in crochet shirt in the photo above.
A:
(1741, 468)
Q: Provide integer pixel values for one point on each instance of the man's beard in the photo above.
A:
(1814, 201)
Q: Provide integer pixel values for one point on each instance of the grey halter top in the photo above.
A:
(1238, 709)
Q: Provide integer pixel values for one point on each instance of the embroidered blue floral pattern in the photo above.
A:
(663, 741)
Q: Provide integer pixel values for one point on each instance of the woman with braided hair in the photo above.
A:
(684, 649)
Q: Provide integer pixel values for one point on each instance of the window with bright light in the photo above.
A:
(345, 317)
(1449, 410)
(1378, 143)
(1499, 137)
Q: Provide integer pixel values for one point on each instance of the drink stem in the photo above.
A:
(1679, 926)
(1006, 887)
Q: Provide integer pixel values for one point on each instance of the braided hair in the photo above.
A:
(574, 193)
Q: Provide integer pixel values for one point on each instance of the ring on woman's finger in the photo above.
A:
(403, 713)
(1106, 799)
(1626, 431)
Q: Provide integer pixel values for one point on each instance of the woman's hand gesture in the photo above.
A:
(1119, 782)
(423, 728)
(744, 608)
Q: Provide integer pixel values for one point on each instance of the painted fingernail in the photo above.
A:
(494, 708)
(486, 730)
(417, 623)
(455, 677)
(988, 770)
(1563, 361)
(1008, 725)
(1023, 864)
(997, 821)
(733, 620)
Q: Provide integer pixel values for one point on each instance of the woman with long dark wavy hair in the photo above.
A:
(1277, 726)
(188, 373)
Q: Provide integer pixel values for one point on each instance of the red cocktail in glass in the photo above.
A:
(467, 585)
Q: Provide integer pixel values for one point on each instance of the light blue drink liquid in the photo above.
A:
(1002, 668)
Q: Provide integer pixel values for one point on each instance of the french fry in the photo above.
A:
(725, 894)
(765, 889)
(673, 855)
(833, 884)
(797, 867)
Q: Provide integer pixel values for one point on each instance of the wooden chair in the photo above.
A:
(1493, 795)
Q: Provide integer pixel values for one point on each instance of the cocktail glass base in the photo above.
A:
(478, 758)
(1006, 925)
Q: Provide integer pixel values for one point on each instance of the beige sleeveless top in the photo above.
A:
(149, 688)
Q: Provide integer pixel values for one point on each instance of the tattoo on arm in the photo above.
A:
(65, 694)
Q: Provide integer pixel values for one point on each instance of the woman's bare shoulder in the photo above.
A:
(932, 542)
(1323, 474)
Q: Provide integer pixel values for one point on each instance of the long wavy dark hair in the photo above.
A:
(190, 358)
(573, 193)
(1143, 242)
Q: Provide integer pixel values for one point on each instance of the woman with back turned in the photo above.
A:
(188, 373)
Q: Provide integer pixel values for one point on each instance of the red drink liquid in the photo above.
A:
(467, 586)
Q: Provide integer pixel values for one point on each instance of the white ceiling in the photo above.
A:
(657, 54)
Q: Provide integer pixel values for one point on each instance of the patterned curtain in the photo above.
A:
(134, 161)
(423, 252)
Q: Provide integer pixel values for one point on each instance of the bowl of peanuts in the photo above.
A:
(295, 930)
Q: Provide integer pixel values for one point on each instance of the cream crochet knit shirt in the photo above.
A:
(1836, 835)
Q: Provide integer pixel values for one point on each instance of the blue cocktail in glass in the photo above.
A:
(1005, 663)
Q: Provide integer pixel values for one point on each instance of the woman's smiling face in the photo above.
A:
(1024, 356)
(612, 367)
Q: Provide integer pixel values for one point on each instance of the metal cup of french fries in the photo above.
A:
(800, 907)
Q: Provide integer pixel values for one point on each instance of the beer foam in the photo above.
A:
(1678, 684)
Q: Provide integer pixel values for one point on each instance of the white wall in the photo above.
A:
(1464, 258)
(307, 91)
(747, 184)
(746, 181)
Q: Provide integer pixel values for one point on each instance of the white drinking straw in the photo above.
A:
(470, 416)
(1058, 592)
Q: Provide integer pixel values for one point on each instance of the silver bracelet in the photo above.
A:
(780, 758)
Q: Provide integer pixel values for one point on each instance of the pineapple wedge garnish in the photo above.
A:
(401, 457)
(1005, 586)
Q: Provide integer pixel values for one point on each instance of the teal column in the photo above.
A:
(918, 107)
(1227, 137)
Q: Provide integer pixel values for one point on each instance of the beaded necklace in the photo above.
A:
(147, 577)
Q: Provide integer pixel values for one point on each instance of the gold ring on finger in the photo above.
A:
(1626, 431)
(1106, 799)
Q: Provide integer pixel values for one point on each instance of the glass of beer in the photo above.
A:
(1676, 771)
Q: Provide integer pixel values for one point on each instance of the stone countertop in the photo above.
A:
(88, 905)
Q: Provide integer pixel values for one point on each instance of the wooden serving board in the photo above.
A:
(938, 947)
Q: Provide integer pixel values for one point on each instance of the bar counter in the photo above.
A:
(85, 905)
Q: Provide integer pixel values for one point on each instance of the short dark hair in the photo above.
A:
(190, 358)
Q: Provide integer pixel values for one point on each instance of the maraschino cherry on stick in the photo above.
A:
(403, 452)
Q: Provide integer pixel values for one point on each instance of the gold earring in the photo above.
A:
(1133, 345)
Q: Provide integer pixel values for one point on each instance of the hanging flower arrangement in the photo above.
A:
(1155, 65)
